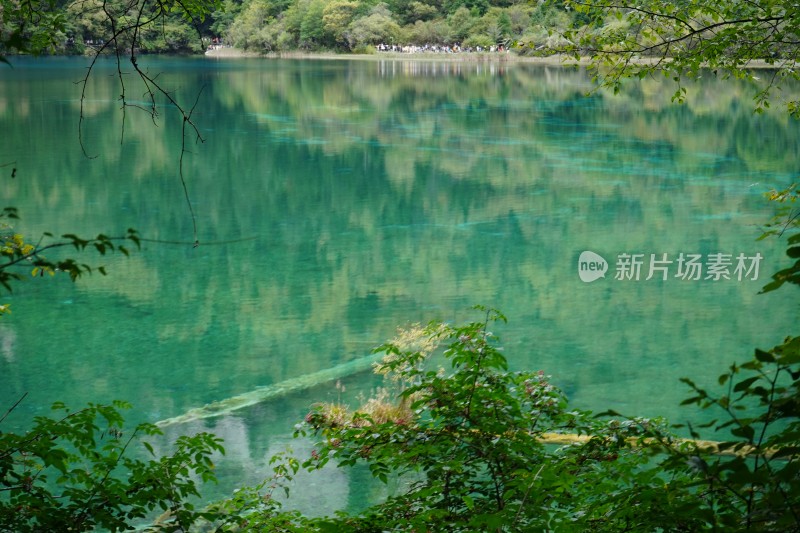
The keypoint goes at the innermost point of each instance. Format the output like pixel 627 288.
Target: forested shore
pixel 224 28
pixel 338 26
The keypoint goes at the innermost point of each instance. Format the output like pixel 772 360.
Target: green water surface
pixel 337 200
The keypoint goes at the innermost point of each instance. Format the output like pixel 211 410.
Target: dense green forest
pixel 359 25
pixel 724 37
pixel 333 25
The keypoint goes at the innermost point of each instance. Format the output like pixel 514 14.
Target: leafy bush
pixel 472 442
pixel 478 40
pixel 366 49
pixel 75 473
pixel 480 448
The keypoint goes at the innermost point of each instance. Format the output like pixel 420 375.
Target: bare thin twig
pixel 125 38
pixel 10 409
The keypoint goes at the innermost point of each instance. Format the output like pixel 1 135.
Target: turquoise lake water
pixel 337 200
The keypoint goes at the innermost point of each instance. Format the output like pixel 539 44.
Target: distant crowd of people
pixel 437 48
pixel 217 43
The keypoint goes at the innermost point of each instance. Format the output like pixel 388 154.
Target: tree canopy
pixel 113 27
pixel 686 40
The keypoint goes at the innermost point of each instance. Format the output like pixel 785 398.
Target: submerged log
pixel 687 445
pixel 269 392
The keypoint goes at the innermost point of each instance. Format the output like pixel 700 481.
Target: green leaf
pixel 771 286
pixel 149 447
pixel 746 432
pixel 745 383
pixel 468 501
pixel 764 357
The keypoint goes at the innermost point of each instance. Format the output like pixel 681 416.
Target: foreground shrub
pixel 481 448
pixel 75 473
pixel 471 442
